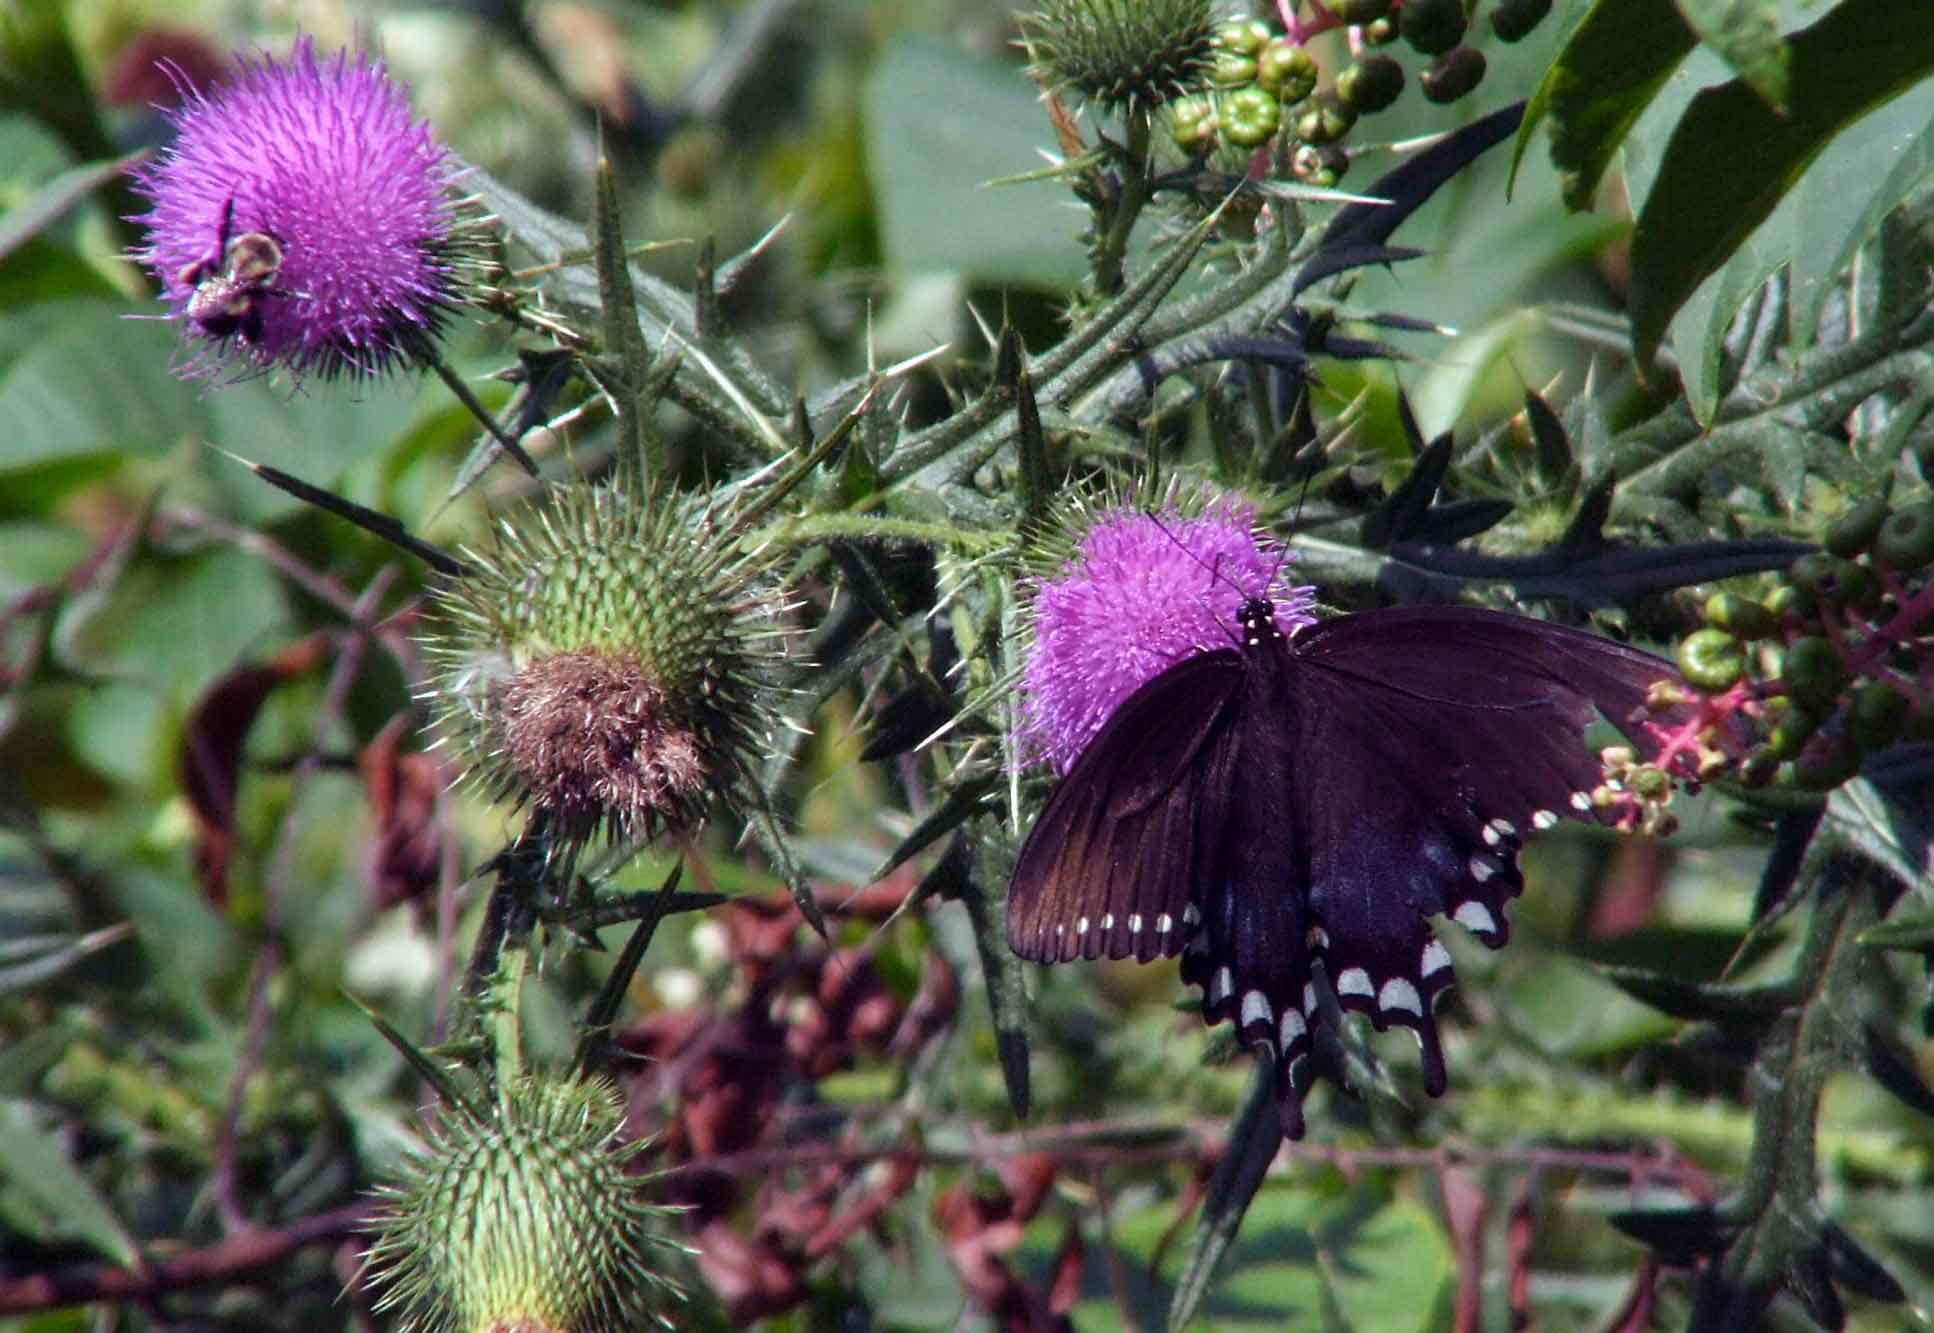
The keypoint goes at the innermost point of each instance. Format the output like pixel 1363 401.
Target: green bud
pixel 1711 660
pixel 1513 20
pixel 528 1215
pixel 1791 603
pixel 1231 70
pixel 1906 540
pixel 1192 123
pixel 1124 53
pixel 1286 70
pixel 1649 782
pixel 1813 673
pixel 1741 617
pixel 1825 763
pixel 1834 581
pixel 1371 84
pixel 1248 116
pixel 1793 730
pixel 1432 26
pixel 1759 766
pixel 1876 715
pixel 1320 164
pixel 1243 36
pixel 1324 120
pixel 1381 33
pixel 1854 531
pixel 1453 74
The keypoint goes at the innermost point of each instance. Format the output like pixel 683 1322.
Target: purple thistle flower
pixel 1142 592
pixel 302 217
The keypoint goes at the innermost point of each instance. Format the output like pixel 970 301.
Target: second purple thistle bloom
pixel 304 218
pixel 1141 592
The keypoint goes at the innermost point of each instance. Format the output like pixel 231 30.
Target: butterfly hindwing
pixel 1464 733
pixel 1108 867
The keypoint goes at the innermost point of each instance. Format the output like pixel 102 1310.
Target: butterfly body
pixel 1283 805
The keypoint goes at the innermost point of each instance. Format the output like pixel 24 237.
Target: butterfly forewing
pixel 1108 867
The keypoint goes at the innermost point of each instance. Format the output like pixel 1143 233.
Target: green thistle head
pixel 1124 54
pixel 528 1221
pixel 611 658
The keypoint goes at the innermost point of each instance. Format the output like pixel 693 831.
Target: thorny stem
pixel 1127 206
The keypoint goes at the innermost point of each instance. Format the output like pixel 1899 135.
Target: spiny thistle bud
pixel 610 659
pixel 526 1219
pixel 1124 54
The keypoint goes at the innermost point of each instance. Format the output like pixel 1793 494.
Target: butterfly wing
pixel 1108 868
pixel 1432 739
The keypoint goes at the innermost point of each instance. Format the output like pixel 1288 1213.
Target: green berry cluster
pixel 1850 635
pixel 1264 83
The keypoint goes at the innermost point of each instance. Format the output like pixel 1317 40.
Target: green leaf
pixel 1612 66
pixel 1841 200
pixel 1254 1136
pixel 59 1200
pixel 939 125
pixel 1699 329
pixel 1746 33
pixel 52 201
pixel 1731 158
pixel 1895 836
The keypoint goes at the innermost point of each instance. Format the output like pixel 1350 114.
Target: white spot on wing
pixel 1134 923
pixel 1436 958
pixel 1309 997
pixel 1581 801
pixel 1293 1027
pixel 1400 994
pixel 1543 819
pixel 1319 938
pixel 1108 921
pixel 1474 915
pixel 1482 866
pixel 1491 835
pixel 1255 1008
pixel 1221 985
pixel 1081 926
pixel 1504 828
pixel 1163 923
pixel 1354 981
pixel 1190 917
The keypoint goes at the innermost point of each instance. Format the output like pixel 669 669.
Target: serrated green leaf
pixel 1841 199
pixel 1746 34
pixel 1731 158
pixel 1886 832
pixel 1699 329
pixel 1612 66
pixel 65 1202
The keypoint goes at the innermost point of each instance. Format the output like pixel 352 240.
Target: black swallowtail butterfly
pixel 1280 803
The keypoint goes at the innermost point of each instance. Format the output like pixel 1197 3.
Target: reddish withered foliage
pixel 402 787
pixel 719 1084
pixel 211 753
pixel 981 1225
